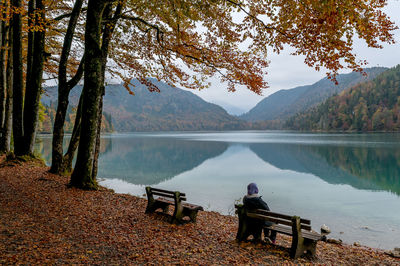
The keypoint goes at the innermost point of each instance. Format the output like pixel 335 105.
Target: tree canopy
pixel 189 41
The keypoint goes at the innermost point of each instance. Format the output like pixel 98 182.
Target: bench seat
pixel 166 198
pixel 304 240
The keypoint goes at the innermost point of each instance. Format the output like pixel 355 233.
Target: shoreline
pixel 44 222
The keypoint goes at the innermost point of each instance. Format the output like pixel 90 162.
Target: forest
pixel 368 106
pixel 47 115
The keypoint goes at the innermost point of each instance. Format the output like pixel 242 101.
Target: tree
pixel 61 163
pixel 361 115
pixel 96 50
pixel 186 42
pixel 18 93
pixel 35 62
pixel 3 68
pixel 25 99
pixel 5 78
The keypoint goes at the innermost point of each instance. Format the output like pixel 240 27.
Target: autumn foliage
pixel 234 38
pixel 368 106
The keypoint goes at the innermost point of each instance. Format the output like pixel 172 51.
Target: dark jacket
pixel 252 203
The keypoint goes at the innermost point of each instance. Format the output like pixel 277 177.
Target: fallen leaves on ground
pixel 42 221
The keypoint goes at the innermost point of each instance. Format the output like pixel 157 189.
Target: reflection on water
pixel 148 161
pixel 349 181
pixel 360 167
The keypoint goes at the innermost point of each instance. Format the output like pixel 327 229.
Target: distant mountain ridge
pixel 172 109
pixel 286 103
pixel 369 106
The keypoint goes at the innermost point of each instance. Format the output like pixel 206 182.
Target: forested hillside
pixel 369 106
pixel 172 109
pixel 286 103
pixel 47 115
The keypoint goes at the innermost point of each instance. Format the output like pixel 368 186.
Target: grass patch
pixel 34 159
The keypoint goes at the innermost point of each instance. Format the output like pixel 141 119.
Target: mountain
pixel 285 103
pixel 230 108
pixel 370 106
pixel 172 109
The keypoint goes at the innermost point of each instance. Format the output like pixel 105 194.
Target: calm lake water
pixel 350 182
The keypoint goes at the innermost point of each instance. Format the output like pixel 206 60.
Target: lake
pixel 350 182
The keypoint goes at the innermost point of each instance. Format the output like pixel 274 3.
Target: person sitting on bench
pixel 253 201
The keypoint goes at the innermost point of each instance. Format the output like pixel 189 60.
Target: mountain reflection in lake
pixel 149 161
pixel 351 182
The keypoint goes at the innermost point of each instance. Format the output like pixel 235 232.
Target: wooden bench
pixel 165 198
pixel 304 240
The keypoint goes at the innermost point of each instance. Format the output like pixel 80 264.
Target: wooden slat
pixel 162 194
pixel 269 218
pixel 169 195
pixel 281 229
pixel 311 235
pixel 192 206
pixel 165 201
pixel 281 216
pixel 165 191
pixel 276 220
pixel 288 231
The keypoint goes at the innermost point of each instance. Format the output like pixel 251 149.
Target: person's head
pixel 252 189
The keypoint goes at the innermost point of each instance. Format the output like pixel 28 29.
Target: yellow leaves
pixel 134 256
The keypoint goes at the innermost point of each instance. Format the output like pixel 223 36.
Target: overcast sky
pixel 286 71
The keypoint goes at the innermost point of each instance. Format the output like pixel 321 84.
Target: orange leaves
pixel 108 228
pixel 206 37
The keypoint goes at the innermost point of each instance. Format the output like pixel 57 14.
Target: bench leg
pixel 305 246
pixel 176 219
pixel 247 226
pixel 300 244
pixel 242 229
pixel 151 207
pixel 297 248
pixel 311 247
pixel 151 203
pixel 192 215
pixel 178 212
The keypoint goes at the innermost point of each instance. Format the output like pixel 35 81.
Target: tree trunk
pixel 18 131
pixel 34 85
pixel 3 69
pixel 97 148
pixel 58 131
pixel 64 89
pixel 82 176
pixel 73 143
pixel 106 39
pixel 29 57
pixel 5 140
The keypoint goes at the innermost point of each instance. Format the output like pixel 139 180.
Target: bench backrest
pixel 277 218
pixel 166 193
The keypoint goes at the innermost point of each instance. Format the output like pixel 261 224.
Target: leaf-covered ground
pixel 42 221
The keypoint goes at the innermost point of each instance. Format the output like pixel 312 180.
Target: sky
pixel 287 71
